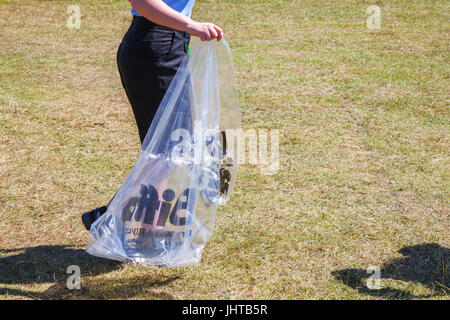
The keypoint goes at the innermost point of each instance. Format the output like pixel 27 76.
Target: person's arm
pixel 159 12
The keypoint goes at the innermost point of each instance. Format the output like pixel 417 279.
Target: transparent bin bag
pixel 163 214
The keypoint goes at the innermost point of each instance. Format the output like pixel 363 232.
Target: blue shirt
pixel 183 6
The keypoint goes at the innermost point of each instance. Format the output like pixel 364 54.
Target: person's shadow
pixel 426 264
pixel 49 265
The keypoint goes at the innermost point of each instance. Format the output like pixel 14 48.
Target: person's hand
pixel 206 31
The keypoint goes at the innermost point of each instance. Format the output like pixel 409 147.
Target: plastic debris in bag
pixel 163 214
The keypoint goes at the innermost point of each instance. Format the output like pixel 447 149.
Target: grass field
pixel 364 152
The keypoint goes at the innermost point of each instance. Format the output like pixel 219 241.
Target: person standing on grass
pixel 149 56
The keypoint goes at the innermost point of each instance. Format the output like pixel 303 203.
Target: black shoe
pixel 88 218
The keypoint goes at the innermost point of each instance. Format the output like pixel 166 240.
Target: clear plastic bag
pixel 163 214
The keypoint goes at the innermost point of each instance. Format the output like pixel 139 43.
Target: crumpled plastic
pixel 163 214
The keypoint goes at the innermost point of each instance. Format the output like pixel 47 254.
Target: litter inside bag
pixel 163 214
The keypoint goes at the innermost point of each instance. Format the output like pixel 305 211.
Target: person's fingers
pixel 219 33
pixel 208 31
pixel 213 33
pixel 201 35
pixel 205 33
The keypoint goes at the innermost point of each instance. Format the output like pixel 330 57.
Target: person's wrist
pixel 191 26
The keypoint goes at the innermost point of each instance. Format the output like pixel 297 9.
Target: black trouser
pixel 148 58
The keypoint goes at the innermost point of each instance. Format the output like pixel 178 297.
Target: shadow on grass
pixel 426 264
pixel 48 264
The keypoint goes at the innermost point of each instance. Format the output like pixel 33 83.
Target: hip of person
pixel 154 42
